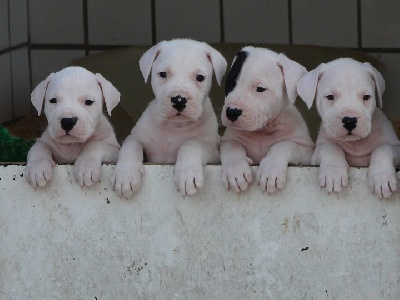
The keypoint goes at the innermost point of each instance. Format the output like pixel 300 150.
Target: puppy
pixel 353 132
pixel 262 124
pixel 77 130
pixel 179 125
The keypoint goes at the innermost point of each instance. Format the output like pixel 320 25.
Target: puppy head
pixel 345 92
pixel 181 76
pixel 258 86
pixel 73 100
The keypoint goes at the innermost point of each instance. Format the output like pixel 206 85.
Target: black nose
pixel 233 113
pixel 349 123
pixel 68 123
pixel 179 102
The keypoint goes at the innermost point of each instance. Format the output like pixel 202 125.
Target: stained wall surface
pixel 65 242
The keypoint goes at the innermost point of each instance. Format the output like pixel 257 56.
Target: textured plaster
pixel 66 242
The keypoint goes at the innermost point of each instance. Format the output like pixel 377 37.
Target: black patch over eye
pixel 330 97
pixel 260 89
pixel 88 102
pixel 53 100
pixel 366 97
pixel 200 78
pixel 233 75
pixel 163 74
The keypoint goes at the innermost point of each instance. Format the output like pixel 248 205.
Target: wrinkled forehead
pixel 183 57
pixel 73 84
pixel 253 66
pixel 259 64
pixel 353 78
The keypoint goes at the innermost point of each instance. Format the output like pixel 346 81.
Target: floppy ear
pixel 110 94
pixel 38 94
pixel 218 62
pixel 307 85
pixel 379 81
pixel 292 72
pixel 147 59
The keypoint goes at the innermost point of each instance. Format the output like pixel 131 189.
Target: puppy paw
pixel 188 178
pixel 126 180
pixel 87 171
pixel 39 172
pixel 333 177
pixel 237 176
pixel 271 176
pixel 383 181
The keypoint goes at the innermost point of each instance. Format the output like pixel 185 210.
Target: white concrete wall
pixel 71 243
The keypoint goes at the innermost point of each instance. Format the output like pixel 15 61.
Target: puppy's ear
pixel 292 72
pixel 147 59
pixel 110 94
pixel 307 85
pixel 379 81
pixel 38 94
pixel 218 62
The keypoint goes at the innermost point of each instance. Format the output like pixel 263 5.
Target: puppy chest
pixel 164 149
pixel 257 145
pixel 67 153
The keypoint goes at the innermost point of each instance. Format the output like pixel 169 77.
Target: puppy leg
pixel 271 174
pixel 381 172
pixel 88 164
pixel 188 171
pixel 127 176
pixel 236 171
pixel 39 168
pixel 332 173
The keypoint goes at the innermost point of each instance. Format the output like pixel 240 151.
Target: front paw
pixel 383 181
pixel 39 172
pixel 87 171
pixel 126 179
pixel 237 176
pixel 333 177
pixel 271 176
pixel 188 178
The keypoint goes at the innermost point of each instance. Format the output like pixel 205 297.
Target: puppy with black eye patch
pixel 179 126
pixel 262 124
pixel 354 132
pixel 77 131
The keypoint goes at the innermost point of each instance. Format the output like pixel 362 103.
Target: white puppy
pixel 263 126
pixel 77 130
pixel 353 131
pixel 180 124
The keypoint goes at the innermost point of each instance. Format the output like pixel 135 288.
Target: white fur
pixel 270 130
pixel 189 139
pixel 90 142
pixel 372 143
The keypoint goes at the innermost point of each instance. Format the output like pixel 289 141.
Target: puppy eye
pixel 163 74
pixel 330 97
pixel 200 78
pixel 366 97
pixel 89 102
pixel 260 89
pixel 53 100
